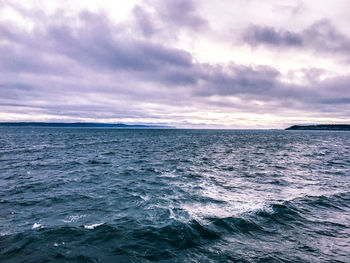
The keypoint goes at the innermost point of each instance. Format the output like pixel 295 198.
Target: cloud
pixel 143 21
pixel 321 36
pixel 289 7
pixel 256 35
pixel 89 66
pixel 166 19
pixel 181 13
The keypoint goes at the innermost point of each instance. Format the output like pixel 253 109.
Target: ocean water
pixel 147 195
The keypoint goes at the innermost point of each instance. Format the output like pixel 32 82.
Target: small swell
pixel 36 225
pixel 109 153
pixel 236 225
pixel 338 201
pixel 96 162
pixel 93 226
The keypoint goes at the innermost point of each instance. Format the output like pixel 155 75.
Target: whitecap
pixel 73 218
pixel 57 244
pixel 4 233
pixel 171 214
pixel 36 225
pixel 92 226
pixel 145 197
pixel 253 207
pixel 233 209
pixel 168 174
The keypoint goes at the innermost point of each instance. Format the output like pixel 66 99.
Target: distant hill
pixel 327 127
pixel 76 125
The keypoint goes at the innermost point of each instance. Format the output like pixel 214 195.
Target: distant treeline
pixel 75 124
pixel 332 127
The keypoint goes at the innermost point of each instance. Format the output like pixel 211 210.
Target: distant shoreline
pixel 78 125
pixel 322 127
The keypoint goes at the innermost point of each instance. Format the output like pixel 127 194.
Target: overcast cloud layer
pixel 177 62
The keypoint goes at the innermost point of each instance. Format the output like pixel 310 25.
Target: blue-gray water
pixel 114 195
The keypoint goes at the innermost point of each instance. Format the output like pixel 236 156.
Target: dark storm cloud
pixel 321 36
pixel 96 68
pixel 256 35
pixel 115 52
pixel 95 44
pixel 100 46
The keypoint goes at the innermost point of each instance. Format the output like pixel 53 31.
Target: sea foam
pixel 92 226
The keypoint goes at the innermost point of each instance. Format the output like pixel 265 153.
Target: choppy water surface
pixel 110 195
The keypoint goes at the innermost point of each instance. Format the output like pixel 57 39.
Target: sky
pixel 236 64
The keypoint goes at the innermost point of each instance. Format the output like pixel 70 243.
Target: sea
pixel 174 195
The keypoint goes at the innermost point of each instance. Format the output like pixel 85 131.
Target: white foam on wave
pixel 218 200
pixel 92 226
pixel 200 211
pixel 73 218
pixel 56 244
pixel 253 207
pixel 145 197
pixel 168 174
pixel 36 225
pixel 4 233
pixel 172 214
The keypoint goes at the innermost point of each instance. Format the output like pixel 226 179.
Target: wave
pixel 96 162
pixel 37 225
pixel 93 226
pixel 337 200
pixel 47 201
pixel 131 240
pixel 73 218
pixel 224 209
